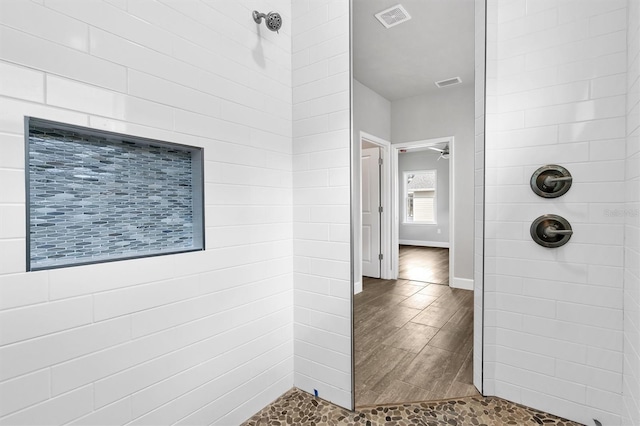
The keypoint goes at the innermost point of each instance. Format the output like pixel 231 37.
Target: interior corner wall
pixel 372 115
pixel 631 367
pixel 195 338
pixel 321 199
pixel 478 249
pixel 447 112
pixel 556 94
pixel 422 234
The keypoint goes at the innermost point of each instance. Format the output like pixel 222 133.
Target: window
pixel 420 196
pixel 95 196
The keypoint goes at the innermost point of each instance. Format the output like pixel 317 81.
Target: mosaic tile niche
pixel 96 196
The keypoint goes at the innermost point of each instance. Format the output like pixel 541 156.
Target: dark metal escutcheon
pixel 551 181
pixel 550 230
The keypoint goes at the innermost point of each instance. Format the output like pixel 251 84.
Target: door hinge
pixel 380 256
pixel 380 209
pixel 380 161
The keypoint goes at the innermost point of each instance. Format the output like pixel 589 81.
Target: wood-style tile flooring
pixel 413 339
pixel 427 264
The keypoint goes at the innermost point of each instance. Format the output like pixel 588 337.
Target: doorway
pixel 373 206
pixel 433 195
pixel 413 333
pixel 402 326
pixel 381 187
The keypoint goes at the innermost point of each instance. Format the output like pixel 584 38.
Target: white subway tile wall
pixel 192 338
pixel 266 306
pixel 554 317
pixel 631 214
pixel 321 198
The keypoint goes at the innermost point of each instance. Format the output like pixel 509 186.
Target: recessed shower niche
pixel 96 196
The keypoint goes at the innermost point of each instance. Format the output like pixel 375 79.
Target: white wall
pixel 419 233
pixel 449 112
pixel 556 94
pixel 631 369
pixel 372 115
pixel 321 147
pixel 192 338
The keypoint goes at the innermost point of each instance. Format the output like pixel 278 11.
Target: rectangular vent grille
pixel 448 82
pixel 393 16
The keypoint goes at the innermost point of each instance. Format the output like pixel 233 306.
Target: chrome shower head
pixel 272 20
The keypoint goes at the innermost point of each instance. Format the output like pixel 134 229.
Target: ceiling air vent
pixel 448 82
pixel 393 16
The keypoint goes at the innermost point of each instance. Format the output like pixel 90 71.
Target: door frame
pixel 480 82
pixel 389 191
pixel 395 234
pixel 385 202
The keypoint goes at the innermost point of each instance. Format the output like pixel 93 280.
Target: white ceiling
pixel 437 43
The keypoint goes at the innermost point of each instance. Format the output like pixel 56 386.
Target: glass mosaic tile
pixel 95 196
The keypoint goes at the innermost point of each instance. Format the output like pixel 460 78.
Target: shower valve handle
pixel 550 231
pixel 548 181
pixel 551 181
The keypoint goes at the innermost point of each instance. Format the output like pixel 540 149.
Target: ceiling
pixel 437 43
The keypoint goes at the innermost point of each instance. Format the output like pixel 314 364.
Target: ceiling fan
pixel 444 152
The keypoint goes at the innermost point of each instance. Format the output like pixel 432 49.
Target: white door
pixel 370 212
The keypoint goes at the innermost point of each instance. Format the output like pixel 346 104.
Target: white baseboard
pixel 357 287
pixel 440 244
pixel 462 283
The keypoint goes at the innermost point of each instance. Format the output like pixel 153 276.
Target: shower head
pixel 272 20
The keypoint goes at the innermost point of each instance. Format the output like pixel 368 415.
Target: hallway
pixel 413 340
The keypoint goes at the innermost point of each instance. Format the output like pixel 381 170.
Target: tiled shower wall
pixel 321 199
pixel 193 338
pixel 631 378
pixel 556 94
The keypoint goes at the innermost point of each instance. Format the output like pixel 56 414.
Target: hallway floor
pixel 426 264
pixel 296 407
pixel 413 339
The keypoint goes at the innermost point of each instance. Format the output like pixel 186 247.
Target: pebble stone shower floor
pixel 296 407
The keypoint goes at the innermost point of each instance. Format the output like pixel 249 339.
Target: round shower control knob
pixel 550 230
pixel 551 181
